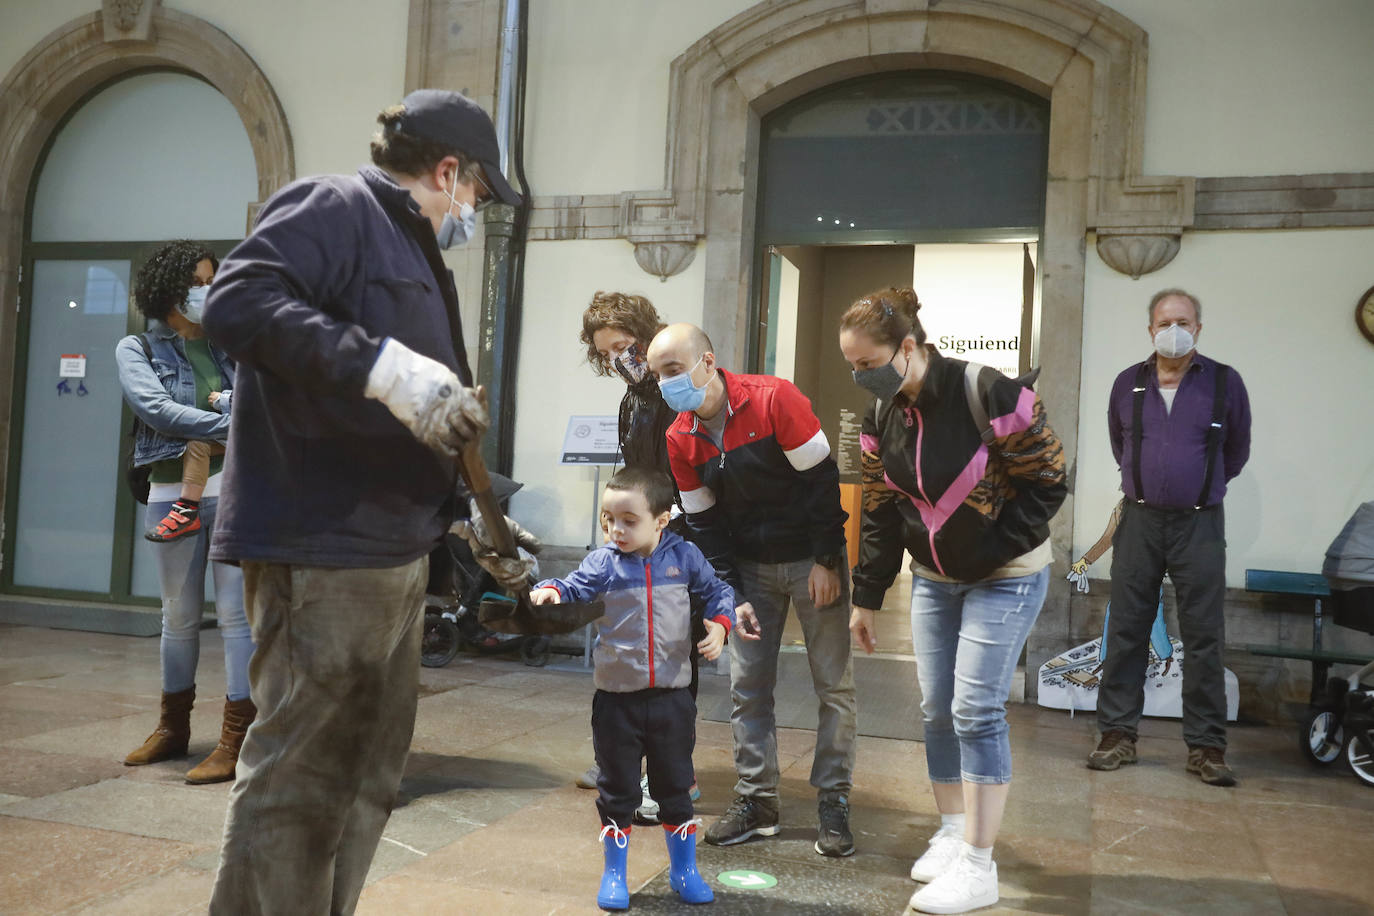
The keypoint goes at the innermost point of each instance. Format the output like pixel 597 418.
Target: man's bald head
pixel 677 348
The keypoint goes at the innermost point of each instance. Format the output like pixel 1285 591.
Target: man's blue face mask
pixel 680 394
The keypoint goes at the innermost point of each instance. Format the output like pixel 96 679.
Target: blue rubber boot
pixel 683 876
pixel 614 894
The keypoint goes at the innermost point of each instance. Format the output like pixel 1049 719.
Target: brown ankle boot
pixel 173 730
pixel 219 766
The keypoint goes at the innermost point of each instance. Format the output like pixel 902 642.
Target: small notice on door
pixel 71 365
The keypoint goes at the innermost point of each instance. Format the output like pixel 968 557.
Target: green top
pixel 207 380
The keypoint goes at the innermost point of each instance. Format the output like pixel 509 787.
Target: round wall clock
pixel 1364 314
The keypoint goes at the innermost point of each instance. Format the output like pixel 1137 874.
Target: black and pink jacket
pixel 931 486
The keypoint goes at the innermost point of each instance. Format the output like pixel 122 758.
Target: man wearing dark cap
pixel 353 399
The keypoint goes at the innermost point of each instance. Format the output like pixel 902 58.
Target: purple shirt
pixel 1174 442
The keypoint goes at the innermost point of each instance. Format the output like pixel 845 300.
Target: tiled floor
pixel 493 824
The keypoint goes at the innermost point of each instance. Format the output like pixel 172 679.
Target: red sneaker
pixel 182 519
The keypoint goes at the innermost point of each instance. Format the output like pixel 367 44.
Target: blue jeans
pixel 967 638
pixel 770 587
pixel 181 571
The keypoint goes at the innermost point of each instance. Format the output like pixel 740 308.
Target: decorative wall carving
pixel 128 20
pixel 664 259
pixel 1136 253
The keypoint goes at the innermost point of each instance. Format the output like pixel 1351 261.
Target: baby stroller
pixel 457 587
pixel 1341 724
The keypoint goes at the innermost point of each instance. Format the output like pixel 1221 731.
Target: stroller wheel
pixel 1359 755
pixel 535 651
pixel 1320 736
pixel 440 642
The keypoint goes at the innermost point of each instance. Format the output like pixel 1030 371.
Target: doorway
pixel 927 179
pixel 154 156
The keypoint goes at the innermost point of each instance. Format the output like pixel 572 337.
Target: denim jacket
pixel 163 395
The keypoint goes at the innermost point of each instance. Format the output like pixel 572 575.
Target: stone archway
pixel 1086 59
pixel 76 60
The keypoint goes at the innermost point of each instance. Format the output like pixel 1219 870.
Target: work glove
pixel 1078 574
pixel 427 398
pixel 513 573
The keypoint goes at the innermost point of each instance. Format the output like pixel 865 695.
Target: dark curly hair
pixel 165 278
pixel 407 154
pixel 632 314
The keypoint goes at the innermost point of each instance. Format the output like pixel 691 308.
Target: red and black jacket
pixel 772 494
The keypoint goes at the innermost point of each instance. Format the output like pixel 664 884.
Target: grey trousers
pixel 770 587
pixel 335 679
pixel 1190 545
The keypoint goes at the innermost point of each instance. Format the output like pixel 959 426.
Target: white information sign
pixel 591 440
pixel 71 365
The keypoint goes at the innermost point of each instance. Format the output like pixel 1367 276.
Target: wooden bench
pixel 1275 582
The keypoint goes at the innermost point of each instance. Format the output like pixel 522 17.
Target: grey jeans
pixel 770 587
pixel 335 678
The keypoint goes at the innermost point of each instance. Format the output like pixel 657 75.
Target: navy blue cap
pixel 456 121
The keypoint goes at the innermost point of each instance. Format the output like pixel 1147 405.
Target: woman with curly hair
pixel 178 385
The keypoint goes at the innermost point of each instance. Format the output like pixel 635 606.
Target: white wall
pixel 555 381
pixel 597 103
pixel 1279 307
pixel 1257 87
pixel 333 63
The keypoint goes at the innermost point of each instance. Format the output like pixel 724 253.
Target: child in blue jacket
pixel 643 710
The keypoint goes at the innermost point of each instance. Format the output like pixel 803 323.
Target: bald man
pixel 761 493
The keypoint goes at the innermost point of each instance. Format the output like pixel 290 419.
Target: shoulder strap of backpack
pixel 976 407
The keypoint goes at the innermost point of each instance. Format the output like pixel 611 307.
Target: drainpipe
pixel 506 228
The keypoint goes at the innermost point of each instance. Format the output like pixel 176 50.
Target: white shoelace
pixel 621 838
pixel 685 830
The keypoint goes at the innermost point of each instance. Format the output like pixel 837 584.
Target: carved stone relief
pixel 128 20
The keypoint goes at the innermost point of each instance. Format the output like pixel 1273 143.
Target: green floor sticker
pixel 747 880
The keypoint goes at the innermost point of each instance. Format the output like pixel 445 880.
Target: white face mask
pixel 193 309
pixel 459 230
pixel 1174 341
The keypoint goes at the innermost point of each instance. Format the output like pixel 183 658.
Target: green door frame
pixel 122 560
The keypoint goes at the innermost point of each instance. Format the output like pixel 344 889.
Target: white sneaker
pixel 964 886
pixel 647 812
pixel 944 848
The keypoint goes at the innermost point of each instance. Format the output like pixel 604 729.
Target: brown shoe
pixel 1209 763
pixel 1114 750
pixel 173 731
pixel 219 766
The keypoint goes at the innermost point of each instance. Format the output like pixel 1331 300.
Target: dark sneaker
pixel 182 519
pixel 745 817
pixel 833 837
pixel 1209 763
pixel 1114 750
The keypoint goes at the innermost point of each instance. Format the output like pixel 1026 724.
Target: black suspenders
pixel 1213 432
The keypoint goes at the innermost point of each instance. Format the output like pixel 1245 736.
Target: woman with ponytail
pixel 961 468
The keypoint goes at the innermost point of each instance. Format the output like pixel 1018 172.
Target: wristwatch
pixel 831 561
